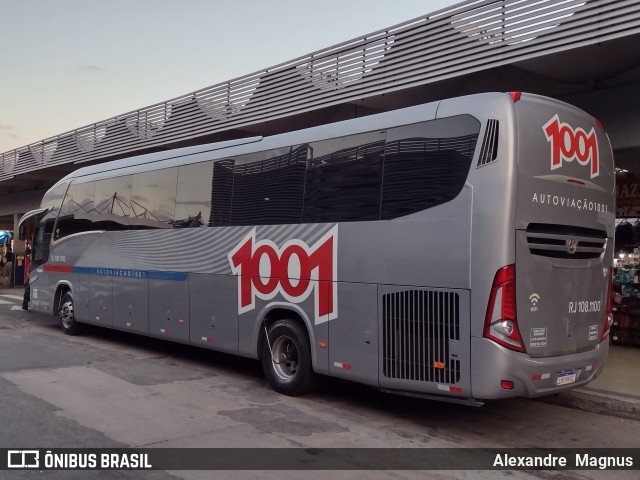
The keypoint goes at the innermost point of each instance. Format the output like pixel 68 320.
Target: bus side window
pixel 77 210
pixel 42 242
pixel 426 164
pixel 193 195
pixel 344 179
pixel 268 187
pixel 221 193
pixel 153 198
pixel 112 203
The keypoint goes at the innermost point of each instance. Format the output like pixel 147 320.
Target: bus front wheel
pixel 67 319
pixel 286 359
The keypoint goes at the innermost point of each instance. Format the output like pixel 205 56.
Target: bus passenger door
pixel 42 294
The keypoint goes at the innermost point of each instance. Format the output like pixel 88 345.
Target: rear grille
pixel 489 150
pixel 417 328
pixel 554 241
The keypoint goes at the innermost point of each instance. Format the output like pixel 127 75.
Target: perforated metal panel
pixel 462 39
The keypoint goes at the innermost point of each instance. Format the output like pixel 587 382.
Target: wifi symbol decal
pixel 534 298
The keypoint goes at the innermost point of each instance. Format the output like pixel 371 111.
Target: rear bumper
pixel 492 363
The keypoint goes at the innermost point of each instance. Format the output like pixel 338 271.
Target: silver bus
pixel 458 250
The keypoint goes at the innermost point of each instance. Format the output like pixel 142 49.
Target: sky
pixel 65 64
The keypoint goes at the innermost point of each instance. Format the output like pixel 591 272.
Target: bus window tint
pixel 77 210
pixel 52 201
pixel 153 198
pixel 426 164
pixel 112 203
pixel 344 179
pixel 53 198
pixel 268 187
pixel 193 196
pixel 221 193
pixel 42 241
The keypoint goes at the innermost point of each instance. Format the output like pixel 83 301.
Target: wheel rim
pixel 66 314
pixel 285 357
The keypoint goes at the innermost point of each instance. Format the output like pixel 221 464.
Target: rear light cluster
pixel 501 323
pixel 608 315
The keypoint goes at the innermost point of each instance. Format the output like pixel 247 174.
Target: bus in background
pixel 458 250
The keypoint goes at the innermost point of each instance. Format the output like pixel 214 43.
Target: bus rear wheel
pixel 67 319
pixel 286 359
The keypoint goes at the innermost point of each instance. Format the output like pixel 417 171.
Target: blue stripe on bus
pixel 129 273
pixel 174 276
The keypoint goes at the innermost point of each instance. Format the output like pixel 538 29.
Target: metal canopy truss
pixel 466 38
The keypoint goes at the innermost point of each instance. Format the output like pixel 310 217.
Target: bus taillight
pixel 501 324
pixel 608 316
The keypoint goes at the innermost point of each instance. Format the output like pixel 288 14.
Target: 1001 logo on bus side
pixel 293 271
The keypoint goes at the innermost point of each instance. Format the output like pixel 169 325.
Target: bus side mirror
pixel 22 232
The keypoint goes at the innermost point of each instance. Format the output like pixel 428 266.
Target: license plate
pixel 565 378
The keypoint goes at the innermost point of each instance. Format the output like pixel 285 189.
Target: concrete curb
pixel 598 401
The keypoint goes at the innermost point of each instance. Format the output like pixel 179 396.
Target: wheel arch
pixel 281 311
pixel 62 287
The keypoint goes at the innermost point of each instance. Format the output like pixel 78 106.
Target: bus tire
pixel 67 318
pixel 287 365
